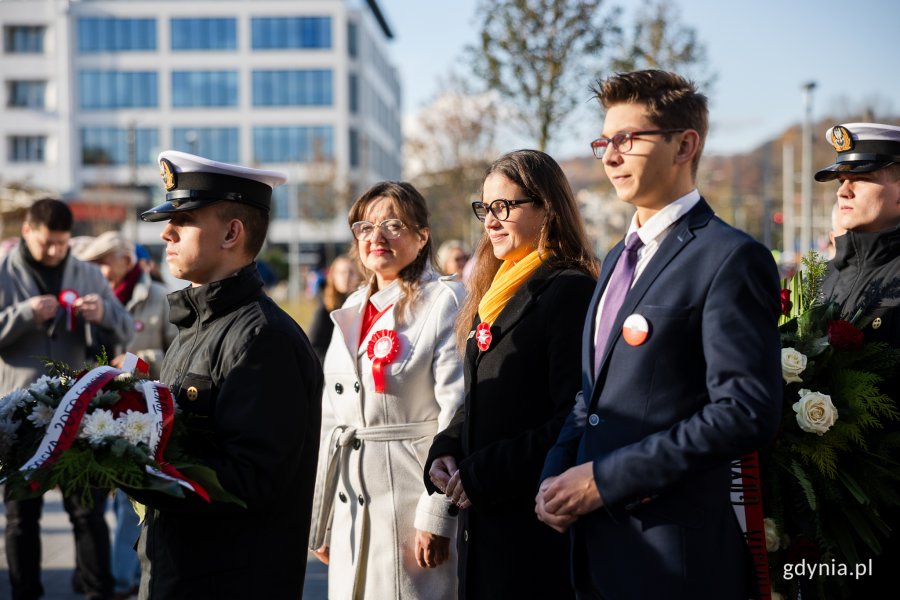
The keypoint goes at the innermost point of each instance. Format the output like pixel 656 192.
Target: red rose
pixel 844 336
pixel 128 400
pixel 786 304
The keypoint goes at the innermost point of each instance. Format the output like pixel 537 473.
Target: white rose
pixel 773 543
pixel 815 412
pixel 792 364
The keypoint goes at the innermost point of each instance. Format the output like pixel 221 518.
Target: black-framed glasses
pixel 622 141
pixel 499 208
pixel 390 229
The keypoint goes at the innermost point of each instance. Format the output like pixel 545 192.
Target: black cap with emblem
pixel 193 182
pixel 861 148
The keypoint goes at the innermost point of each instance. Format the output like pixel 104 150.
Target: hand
pixel 558 522
pixel 117 361
pixel 456 493
pixel 431 549
pixel 572 493
pixel 323 554
pixel 442 469
pixel 90 307
pixel 44 307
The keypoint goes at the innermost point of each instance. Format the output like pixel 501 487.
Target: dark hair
pixel 50 212
pixel 255 220
pixel 672 102
pixel 562 232
pixel 410 207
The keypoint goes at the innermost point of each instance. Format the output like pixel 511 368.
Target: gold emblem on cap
pixel 192 393
pixel 841 138
pixel 168 174
pixel 876 323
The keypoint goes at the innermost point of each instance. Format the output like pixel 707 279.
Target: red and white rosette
pixel 483 336
pixel 383 348
pixel 67 299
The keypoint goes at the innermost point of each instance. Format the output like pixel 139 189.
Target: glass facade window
pixel 354 147
pixel 114 145
pixel 204 88
pixel 117 89
pixel 293 144
pixel 278 33
pixel 292 88
pixel 352 40
pixel 353 93
pixel 204 34
pixel 26 94
pixel 26 148
pixel 24 39
pixel 109 34
pixel 217 143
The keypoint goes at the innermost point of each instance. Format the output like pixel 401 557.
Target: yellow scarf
pixel 507 280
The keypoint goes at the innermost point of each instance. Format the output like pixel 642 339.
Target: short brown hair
pixel 255 220
pixel 671 101
pixel 50 212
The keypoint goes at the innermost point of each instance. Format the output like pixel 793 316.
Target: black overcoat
pixel 518 394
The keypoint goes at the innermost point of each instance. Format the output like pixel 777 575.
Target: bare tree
pixel 540 55
pixel 659 40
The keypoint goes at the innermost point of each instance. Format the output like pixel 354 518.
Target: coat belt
pixel 342 438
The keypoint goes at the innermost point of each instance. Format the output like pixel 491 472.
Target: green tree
pixel 659 40
pixel 540 56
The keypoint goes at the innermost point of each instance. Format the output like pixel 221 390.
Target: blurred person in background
pixel 519 329
pixel 452 257
pixel 48 300
pixel 393 379
pixel 342 278
pixel 146 301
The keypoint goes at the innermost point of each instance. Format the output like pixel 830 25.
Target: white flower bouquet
pixel 98 428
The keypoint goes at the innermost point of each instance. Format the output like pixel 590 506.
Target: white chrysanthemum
pixel 41 415
pixel 42 385
pixel 98 425
pixel 124 377
pixel 7 435
pixel 13 400
pixel 136 427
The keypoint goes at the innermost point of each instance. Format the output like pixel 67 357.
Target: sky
pixel 762 52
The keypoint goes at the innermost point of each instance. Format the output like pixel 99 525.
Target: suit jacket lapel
pixel 590 319
pixel 681 234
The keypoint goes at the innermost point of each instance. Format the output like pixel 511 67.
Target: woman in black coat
pixel 520 330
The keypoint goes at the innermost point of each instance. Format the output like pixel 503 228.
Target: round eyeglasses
pixel 499 208
pixel 622 141
pixel 390 229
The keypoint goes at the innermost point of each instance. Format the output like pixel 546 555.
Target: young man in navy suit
pixel 680 369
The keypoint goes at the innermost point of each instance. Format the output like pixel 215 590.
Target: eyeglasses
pixel 622 141
pixel 390 229
pixel 499 208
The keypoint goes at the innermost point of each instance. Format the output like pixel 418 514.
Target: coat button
pixel 356 386
pixel 594 420
pixel 342 496
pixel 192 393
pixel 360 498
pixel 465 535
pixel 339 388
pixel 356 444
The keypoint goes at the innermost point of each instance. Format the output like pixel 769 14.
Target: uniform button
pixel 360 498
pixel 192 393
pixel 342 496
pixel 356 386
pixel 356 444
pixel 594 420
pixel 465 535
pixel 339 388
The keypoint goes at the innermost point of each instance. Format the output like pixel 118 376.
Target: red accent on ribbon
pixel 384 346
pixel 67 300
pixel 167 408
pixel 751 490
pixel 483 336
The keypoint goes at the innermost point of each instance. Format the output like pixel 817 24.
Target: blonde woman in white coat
pixel 393 379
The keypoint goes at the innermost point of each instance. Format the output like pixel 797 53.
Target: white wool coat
pixel 370 495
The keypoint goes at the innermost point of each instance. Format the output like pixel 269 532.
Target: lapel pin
pixel 635 330
pixel 483 336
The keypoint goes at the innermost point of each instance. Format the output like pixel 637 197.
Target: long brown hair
pixel 333 298
pixel 410 207
pixel 562 233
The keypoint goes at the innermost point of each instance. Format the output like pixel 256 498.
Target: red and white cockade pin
pixel 383 348
pixel 67 300
pixel 635 330
pixel 483 336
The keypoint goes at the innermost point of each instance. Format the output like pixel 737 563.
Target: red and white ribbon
pixel 746 498
pixel 133 363
pixel 67 300
pixel 383 348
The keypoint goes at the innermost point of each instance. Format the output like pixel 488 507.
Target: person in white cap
pixel 864 274
pixel 245 370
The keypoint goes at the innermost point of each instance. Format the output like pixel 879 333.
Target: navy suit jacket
pixel 664 419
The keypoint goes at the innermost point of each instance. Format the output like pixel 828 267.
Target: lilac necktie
pixel 619 284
